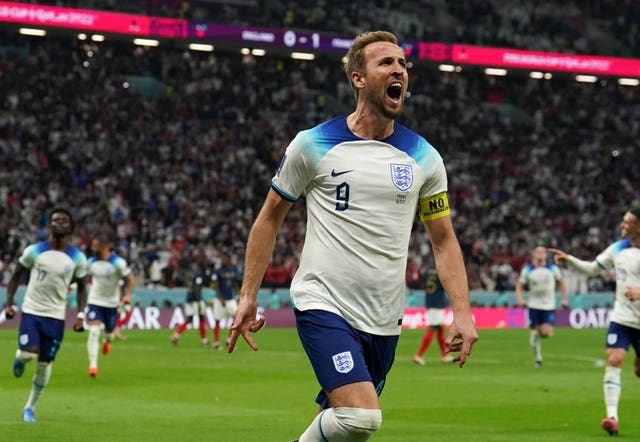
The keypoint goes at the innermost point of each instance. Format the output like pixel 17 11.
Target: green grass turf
pixel 148 390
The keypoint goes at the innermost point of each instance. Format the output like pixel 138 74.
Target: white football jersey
pixel 52 271
pixel 626 260
pixel 361 197
pixel 542 285
pixel 105 279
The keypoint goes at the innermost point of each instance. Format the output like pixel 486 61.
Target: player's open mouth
pixel 394 91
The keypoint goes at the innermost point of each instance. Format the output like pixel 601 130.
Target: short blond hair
pixel 354 60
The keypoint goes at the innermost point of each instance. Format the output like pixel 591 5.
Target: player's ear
pixel 358 79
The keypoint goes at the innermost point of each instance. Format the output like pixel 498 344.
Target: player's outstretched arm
pixel 559 257
pixel 462 335
pixel 260 245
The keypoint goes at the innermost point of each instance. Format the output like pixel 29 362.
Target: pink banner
pixel 484 317
pixel 92 20
pixel 147 318
pixel 545 61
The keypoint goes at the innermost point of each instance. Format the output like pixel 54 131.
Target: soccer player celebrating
pixel 363 175
pixel 54 264
pixel 541 278
pixel 624 326
pixel 106 269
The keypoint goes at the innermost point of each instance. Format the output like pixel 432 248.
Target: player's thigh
pixel 342 356
pixel 105 315
pixel 435 317
pixel 202 307
pixel 219 310
pixel 230 307
pixel 356 395
pixel 51 335
pixel 619 338
pixel 191 309
pixel 29 333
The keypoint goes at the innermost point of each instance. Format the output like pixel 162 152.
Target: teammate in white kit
pixel 105 270
pixel 541 278
pixel 363 176
pixel 54 264
pixel 624 326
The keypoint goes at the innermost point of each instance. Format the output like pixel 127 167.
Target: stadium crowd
pixel 183 168
pixel 605 27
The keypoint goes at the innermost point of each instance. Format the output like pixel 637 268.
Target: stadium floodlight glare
pixel 302 56
pixel 33 32
pixel 628 81
pixel 548 76
pixel 200 47
pixel 97 37
pixel 145 42
pixel 495 71
pixel 447 68
pixel 586 78
pixel 82 36
pixel 245 51
pixel 258 52
pixel 537 75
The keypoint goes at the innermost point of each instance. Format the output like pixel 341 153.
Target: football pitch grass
pixel 149 390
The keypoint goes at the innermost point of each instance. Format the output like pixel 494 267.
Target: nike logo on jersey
pixel 335 174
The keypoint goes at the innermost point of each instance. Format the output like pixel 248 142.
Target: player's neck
pixel 368 125
pixel 58 243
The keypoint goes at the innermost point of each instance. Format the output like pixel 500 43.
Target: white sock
pixel 93 343
pixel 108 337
pixel 612 390
pixel 534 343
pixel 40 380
pixel 25 356
pixel 343 424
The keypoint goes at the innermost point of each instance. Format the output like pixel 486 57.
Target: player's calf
pixel 344 423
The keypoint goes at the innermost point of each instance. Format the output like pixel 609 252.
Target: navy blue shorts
pixel 106 315
pixel 42 332
pixel 621 336
pixel 539 317
pixel 342 355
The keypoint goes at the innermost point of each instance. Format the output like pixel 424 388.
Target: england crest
pixel 402 176
pixel 343 362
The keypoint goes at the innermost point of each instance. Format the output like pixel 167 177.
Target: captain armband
pixel 433 207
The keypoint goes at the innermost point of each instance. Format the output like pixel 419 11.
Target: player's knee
pixel 94 332
pixel 359 423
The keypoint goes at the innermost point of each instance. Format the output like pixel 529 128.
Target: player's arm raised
pixel 450 266
pixel 260 245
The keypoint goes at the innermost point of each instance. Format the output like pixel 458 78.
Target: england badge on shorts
pixel 343 362
pixel 402 176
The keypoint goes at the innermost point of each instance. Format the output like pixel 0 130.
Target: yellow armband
pixel 433 207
